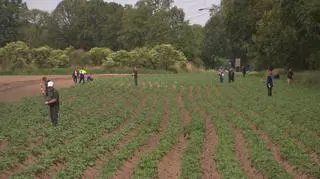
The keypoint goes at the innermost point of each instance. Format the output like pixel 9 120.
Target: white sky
pixel 190 7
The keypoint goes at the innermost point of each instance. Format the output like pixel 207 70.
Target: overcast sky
pixel 190 7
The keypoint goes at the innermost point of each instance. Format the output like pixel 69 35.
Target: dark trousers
pixel 54 114
pixel 75 79
pixel 82 79
pixel 136 80
pixel 270 91
pixel 221 79
pixel 244 74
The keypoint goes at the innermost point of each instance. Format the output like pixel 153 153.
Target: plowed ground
pixel 170 126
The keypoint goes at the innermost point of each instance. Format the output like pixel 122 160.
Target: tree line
pixel 278 33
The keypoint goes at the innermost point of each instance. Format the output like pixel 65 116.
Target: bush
pixel 18 56
pixel 165 56
pixel 119 58
pixel 141 57
pixel 41 57
pixel 15 56
pixel 98 55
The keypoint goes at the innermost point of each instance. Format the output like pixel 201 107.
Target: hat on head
pixel 50 84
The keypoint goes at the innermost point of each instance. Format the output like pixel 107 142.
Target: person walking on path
pixel 269 81
pixel 44 86
pixel 290 76
pixel 53 102
pixel 135 75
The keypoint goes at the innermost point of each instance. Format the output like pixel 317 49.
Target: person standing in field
pixel 135 75
pixel 82 75
pixel 231 75
pixel 244 71
pixel 75 75
pixel 290 76
pixel 53 102
pixel 221 75
pixel 44 86
pixel 269 81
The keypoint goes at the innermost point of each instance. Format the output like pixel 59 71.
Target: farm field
pixel 171 126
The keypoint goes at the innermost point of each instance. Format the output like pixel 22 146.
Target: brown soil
pixel 275 150
pixel 51 171
pixel 243 154
pixel 208 165
pixel 169 166
pixel 93 171
pixel 30 160
pixel 126 171
pixel 13 88
pixel 125 123
pixel 315 157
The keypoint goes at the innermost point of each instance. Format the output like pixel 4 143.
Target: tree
pixel 63 30
pixel 216 43
pixel 10 12
pixel 35 28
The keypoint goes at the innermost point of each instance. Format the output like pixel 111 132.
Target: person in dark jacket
pixel 269 82
pixel 75 75
pixel 53 102
pixel 135 75
pixel 244 71
pixel 231 75
pixel 290 76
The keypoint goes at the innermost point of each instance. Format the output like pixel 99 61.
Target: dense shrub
pixel 19 56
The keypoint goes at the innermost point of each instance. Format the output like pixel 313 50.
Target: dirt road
pixel 13 88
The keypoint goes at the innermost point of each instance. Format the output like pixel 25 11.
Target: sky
pixel 190 7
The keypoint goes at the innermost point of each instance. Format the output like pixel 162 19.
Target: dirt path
pixel 126 171
pixel 13 88
pixel 243 154
pixel 170 165
pixel 208 165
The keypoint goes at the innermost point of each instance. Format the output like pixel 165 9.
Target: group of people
pixel 269 81
pixel 270 77
pixel 80 75
pixel 51 94
pixel 231 74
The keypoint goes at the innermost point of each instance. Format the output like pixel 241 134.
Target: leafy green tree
pixel 35 28
pixel 10 22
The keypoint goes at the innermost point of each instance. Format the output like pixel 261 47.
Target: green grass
pixel 91 114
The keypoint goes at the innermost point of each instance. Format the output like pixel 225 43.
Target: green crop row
pixel 290 151
pixel 152 123
pixel 225 157
pixel 147 167
pixel 191 167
